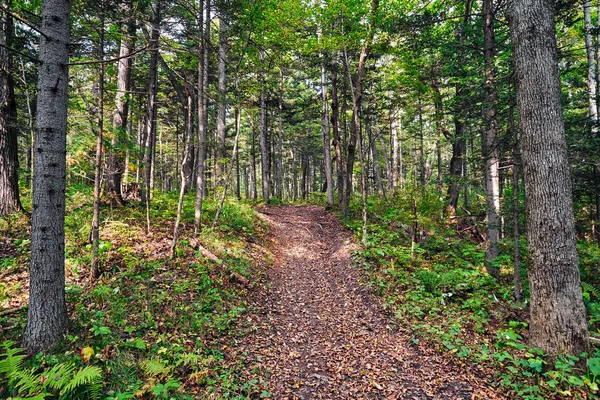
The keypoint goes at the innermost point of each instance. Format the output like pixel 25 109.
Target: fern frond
pixel 40 396
pixel 590 289
pixel 26 382
pixel 88 376
pixel 155 367
pixel 59 375
pixel 11 361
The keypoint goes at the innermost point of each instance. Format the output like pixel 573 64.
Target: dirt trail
pixel 321 334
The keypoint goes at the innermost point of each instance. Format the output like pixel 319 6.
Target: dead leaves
pixel 319 334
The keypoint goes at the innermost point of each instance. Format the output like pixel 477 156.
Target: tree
pixel 9 161
pixel 490 140
pixel 116 160
pixel 47 319
pixel 558 323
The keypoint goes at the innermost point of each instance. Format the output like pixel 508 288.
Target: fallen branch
pixel 11 311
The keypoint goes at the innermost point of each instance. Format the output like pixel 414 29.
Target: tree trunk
pixel 115 167
pixel 490 141
pixel 459 145
pixel 9 161
pixel 356 90
pixel 558 322
pixel 149 132
pixel 591 58
pixel 335 125
pixel 375 153
pixel 278 161
pixel 262 139
pixel 186 171
pixel 95 234
pixel 304 176
pixel 203 54
pixel 227 178
pixel 325 136
pixel 294 175
pixel 254 190
pixel 396 153
pixel 441 130
pixel 515 187
pixel 422 177
pixel 221 128
pixel 47 319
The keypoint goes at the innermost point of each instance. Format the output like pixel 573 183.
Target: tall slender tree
pixel 490 141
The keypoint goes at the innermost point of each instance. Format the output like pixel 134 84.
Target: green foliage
pixel 440 286
pixel 62 381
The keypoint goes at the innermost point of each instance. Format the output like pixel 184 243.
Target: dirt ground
pixel 320 333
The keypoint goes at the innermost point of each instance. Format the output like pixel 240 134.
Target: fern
pixel 59 381
pixel 155 367
pixel 89 377
pixel 59 376
pixel 590 289
pixel 10 361
pixel 26 382
pixel 40 396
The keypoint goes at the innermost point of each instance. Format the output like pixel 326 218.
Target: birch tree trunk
pixel 490 141
pixel 591 58
pixel 47 320
pixel 558 322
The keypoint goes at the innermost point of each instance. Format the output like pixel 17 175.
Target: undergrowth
pixel 150 326
pixel 430 271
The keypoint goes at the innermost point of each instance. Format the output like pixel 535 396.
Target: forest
pixel 296 199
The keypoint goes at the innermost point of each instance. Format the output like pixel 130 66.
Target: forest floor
pixel 320 331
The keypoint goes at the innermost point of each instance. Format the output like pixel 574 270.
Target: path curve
pixel 321 334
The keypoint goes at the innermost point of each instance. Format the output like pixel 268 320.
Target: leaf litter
pixel 318 332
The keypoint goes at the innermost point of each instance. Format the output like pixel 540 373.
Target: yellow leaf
pixel 87 353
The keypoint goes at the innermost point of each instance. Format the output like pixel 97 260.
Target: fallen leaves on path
pixel 320 334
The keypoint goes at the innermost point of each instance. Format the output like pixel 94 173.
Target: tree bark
pixel 47 319
pixel 335 125
pixel 221 121
pixel 95 234
pixel 294 175
pixel 356 89
pixel 325 134
pixel 591 59
pixel 203 54
pixel 278 161
pixel 9 160
pixel 490 141
pixel 149 132
pixel 396 152
pixel 262 139
pixel 459 145
pixel 115 167
pixel 517 291
pixel 558 322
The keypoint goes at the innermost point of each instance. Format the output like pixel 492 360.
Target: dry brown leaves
pixel 320 334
